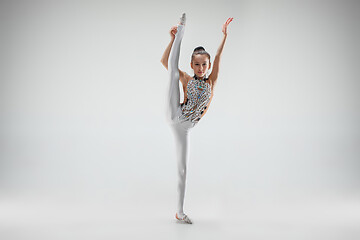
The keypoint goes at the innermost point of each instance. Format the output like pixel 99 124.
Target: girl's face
pixel 200 64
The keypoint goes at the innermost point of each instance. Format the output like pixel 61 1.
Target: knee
pixel 182 172
pixel 174 72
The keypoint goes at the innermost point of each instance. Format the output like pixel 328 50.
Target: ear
pixel 191 65
pixel 209 65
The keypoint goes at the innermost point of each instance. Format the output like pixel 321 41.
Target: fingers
pixel 173 30
pixel 228 21
pixel 224 28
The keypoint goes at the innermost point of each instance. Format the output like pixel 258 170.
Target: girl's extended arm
pixel 165 57
pixel 215 71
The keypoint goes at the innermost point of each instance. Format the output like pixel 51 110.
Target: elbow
pixel 164 64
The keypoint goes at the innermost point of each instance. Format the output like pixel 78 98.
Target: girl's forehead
pixel 200 58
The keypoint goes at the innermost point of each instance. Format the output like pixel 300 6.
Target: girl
pixel 198 93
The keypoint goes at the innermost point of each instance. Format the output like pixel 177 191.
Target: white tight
pixel 179 128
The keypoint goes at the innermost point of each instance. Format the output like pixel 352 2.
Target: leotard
pixel 198 96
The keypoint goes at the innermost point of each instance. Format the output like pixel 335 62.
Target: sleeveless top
pixel 198 96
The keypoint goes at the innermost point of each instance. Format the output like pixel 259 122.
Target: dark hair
pixel 199 50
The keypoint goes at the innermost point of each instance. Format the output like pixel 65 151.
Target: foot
pixel 183 218
pixel 182 19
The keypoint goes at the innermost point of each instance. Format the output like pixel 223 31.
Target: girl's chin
pixel 200 74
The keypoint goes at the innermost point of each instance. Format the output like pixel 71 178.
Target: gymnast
pixel 198 92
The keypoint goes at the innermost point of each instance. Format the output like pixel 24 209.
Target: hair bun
pixel 200 48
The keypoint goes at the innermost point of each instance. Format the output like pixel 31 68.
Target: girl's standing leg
pixel 182 144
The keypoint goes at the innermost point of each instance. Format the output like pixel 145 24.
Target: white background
pixel 86 152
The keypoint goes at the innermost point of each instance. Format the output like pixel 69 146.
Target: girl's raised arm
pixel 215 71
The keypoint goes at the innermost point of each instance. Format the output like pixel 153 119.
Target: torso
pixel 206 91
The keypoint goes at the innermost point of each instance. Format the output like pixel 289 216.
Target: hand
pixel 224 27
pixel 173 31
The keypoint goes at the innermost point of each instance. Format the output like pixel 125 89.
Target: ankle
pixel 180 214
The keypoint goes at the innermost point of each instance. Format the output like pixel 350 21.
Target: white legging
pixel 180 128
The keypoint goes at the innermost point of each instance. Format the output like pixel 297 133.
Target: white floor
pixel 74 216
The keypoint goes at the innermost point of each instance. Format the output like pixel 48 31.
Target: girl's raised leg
pixel 173 98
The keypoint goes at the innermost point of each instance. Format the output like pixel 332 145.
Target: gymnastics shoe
pixel 184 219
pixel 183 19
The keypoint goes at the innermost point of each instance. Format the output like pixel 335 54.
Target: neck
pixel 200 78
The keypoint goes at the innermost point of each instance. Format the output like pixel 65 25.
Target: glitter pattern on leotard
pixel 198 96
